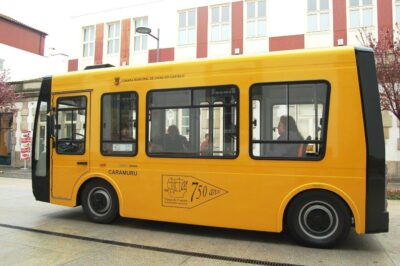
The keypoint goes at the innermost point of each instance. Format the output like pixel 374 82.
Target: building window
pixel 318 18
pixel 288 120
pixel 193 122
pixel 88 41
pixel 140 40
pixel 361 13
pixel 256 19
pixel 387 123
pixel 119 121
pixel 113 36
pixel 187 27
pixel 220 23
pixel 397 7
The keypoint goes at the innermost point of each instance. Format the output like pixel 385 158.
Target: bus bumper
pixel 379 224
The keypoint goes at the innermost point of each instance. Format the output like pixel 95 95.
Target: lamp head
pixel 143 30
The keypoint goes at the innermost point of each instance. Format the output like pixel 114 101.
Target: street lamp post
pixel 145 30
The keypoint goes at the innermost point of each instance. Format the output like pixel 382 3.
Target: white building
pixel 22 54
pixel 24 65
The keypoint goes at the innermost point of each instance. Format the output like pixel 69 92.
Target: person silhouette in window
pixel 125 134
pixel 174 142
pixel 155 144
pixel 288 131
pixel 205 145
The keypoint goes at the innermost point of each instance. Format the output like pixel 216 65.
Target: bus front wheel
pixel 318 219
pixel 100 202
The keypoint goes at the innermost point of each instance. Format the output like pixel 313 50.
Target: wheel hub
pixel 318 220
pixel 99 201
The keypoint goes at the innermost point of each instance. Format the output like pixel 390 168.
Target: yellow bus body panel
pixel 252 194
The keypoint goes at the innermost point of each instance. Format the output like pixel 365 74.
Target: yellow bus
pixel 287 140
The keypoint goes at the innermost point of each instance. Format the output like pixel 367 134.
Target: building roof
pixel 9 19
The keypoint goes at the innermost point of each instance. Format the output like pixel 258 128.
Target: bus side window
pixel 118 124
pixel 291 120
pixel 193 122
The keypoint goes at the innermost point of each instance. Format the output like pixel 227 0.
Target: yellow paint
pixel 255 192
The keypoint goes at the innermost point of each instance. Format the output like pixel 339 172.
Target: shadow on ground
pixel 353 242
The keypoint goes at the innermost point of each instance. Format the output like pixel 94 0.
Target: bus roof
pixel 241 63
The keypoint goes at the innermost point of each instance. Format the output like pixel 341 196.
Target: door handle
pixel 81 163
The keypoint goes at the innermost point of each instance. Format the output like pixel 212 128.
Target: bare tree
pixel 387 60
pixel 8 96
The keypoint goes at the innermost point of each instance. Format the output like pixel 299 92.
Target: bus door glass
pixel 72 136
pixel 41 141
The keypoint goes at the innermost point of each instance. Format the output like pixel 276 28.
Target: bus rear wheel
pixel 100 202
pixel 318 219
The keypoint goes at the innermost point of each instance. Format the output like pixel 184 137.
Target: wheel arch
pixel 79 186
pixel 359 227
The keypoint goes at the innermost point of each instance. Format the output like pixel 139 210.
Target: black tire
pixel 318 219
pixel 100 202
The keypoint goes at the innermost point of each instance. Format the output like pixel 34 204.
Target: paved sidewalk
pixel 13 172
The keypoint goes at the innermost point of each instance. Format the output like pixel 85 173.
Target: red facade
pixel 237 27
pixel 98 50
pixel 166 54
pixel 125 41
pixel 18 35
pixel 72 65
pixel 290 42
pixel 385 16
pixel 339 22
pixel 202 32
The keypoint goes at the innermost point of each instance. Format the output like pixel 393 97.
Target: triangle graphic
pixel 187 191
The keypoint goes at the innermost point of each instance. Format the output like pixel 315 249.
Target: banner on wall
pixel 26 139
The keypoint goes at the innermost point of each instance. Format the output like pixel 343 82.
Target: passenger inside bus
pixel 288 131
pixel 174 142
pixel 125 135
pixel 155 144
pixel 204 146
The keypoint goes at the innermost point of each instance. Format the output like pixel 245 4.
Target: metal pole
pixel 24 168
pixel 158 45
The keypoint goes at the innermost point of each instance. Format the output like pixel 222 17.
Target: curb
pixel 394 179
